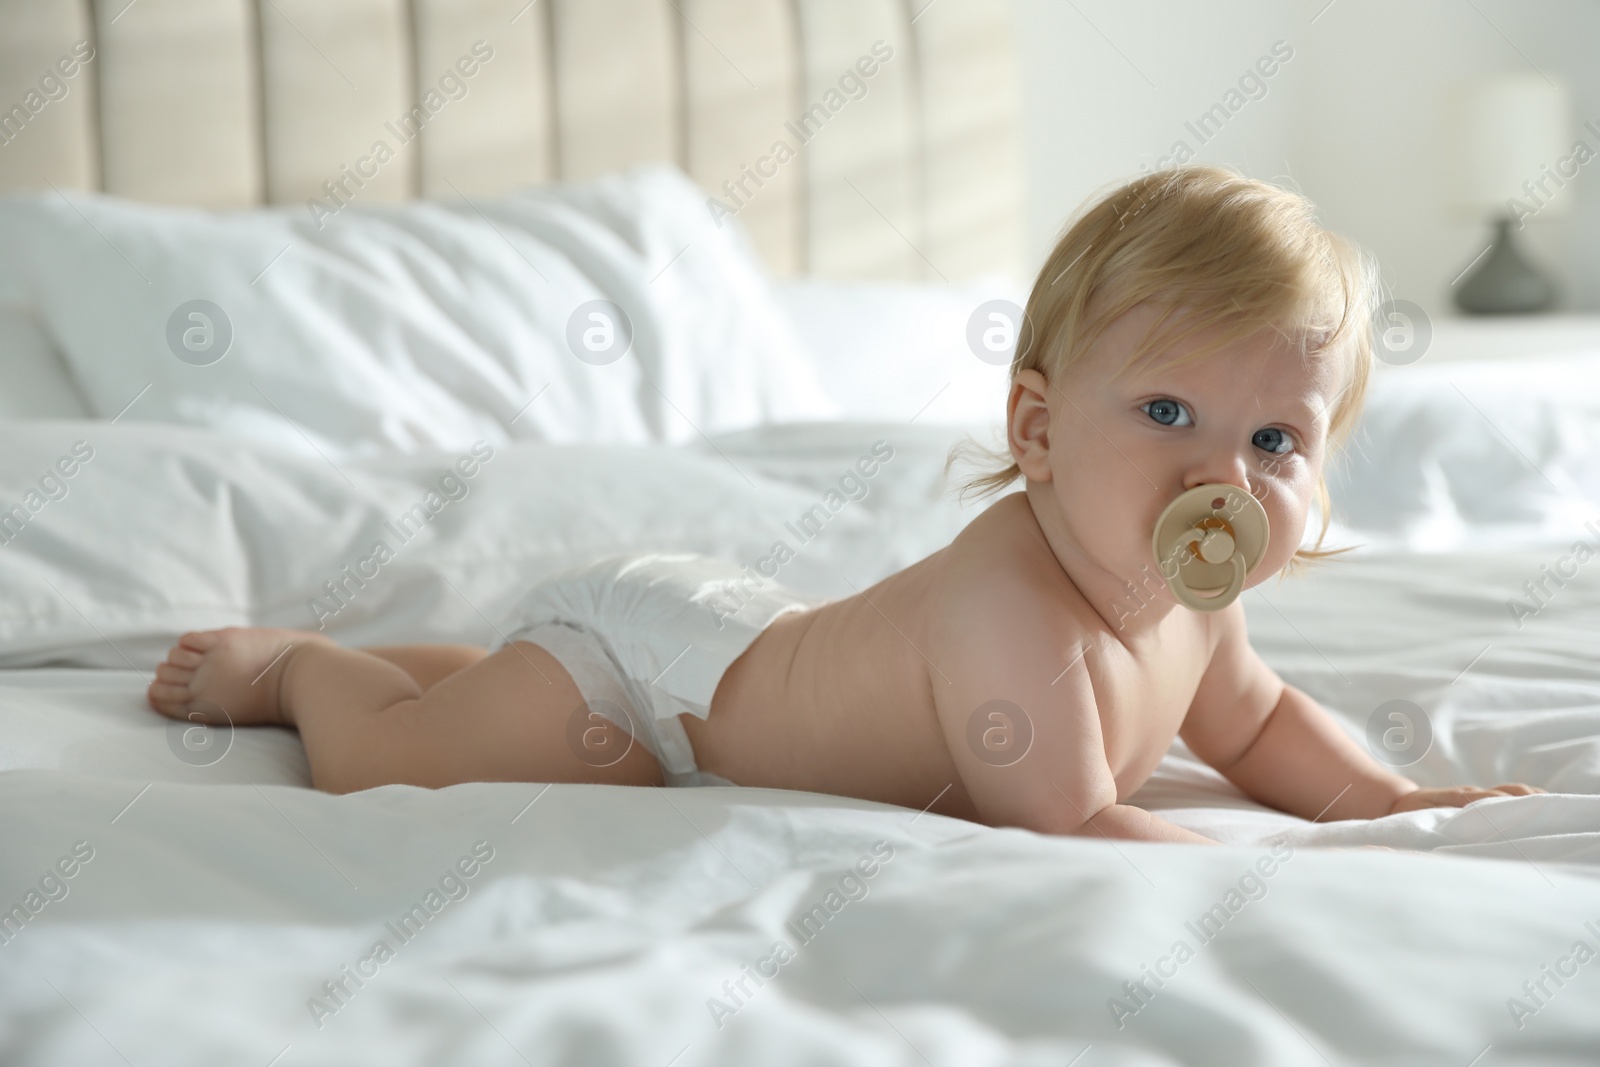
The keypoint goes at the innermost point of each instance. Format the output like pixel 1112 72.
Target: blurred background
pixel 1366 118
pixel 1412 126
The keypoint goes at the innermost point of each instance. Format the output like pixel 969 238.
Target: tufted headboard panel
pixel 853 138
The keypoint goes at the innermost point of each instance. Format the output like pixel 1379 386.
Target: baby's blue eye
pixel 1168 413
pixel 1272 440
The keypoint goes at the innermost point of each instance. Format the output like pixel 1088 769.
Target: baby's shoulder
pixel 1000 580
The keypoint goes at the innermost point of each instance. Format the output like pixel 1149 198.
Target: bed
pixel 179 895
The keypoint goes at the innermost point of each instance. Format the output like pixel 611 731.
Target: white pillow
pixel 887 350
pixel 1486 453
pixel 34 383
pixel 418 325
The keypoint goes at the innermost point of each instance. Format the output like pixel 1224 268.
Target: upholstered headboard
pixel 853 138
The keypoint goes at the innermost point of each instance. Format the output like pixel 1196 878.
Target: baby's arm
pixel 1284 749
pixel 1276 743
pixel 1004 665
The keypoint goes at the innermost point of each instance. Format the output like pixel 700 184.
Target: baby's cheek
pixel 1287 533
pixel 1288 515
pixel 1276 497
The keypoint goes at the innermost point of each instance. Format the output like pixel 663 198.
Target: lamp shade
pixel 1515 130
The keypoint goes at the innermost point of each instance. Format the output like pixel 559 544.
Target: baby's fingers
pixel 1458 796
pixel 1470 794
pixel 1451 797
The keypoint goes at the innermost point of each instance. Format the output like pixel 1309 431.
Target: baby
pixel 1194 328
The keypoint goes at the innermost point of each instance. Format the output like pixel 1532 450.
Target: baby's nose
pixel 1218 469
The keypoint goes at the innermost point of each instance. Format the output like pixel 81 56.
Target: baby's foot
pixel 231 675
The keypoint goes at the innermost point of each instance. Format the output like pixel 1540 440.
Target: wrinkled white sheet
pixel 167 529
pixel 612 925
pixel 221 898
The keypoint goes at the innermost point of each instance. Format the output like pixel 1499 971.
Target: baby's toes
pixel 174 675
pixel 1517 789
pixel 185 657
pixel 168 698
pixel 200 641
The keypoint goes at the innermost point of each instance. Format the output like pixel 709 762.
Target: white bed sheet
pixel 220 898
pixel 608 920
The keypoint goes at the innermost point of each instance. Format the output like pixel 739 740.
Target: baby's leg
pixel 512 716
pixel 429 664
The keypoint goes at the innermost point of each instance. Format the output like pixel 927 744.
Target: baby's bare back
pixel 874 696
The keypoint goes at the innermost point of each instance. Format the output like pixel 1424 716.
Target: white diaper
pixel 651 635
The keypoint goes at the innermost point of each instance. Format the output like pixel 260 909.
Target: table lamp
pixel 1515 143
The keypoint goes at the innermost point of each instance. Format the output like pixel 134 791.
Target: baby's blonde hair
pixel 1215 250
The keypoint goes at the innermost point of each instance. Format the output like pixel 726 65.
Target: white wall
pixel 1359 119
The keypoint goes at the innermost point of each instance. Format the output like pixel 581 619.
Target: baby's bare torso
pixel 841 699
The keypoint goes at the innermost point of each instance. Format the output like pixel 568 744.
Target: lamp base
pixel 1505 283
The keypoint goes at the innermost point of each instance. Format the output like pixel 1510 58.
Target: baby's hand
pixel 1458 796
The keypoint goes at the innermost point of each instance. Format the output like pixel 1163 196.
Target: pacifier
pixel 1207 542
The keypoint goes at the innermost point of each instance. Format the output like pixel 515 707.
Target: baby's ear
pixel 1028 424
